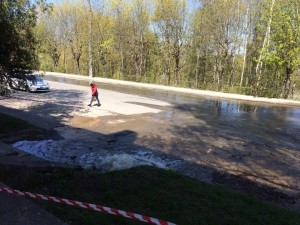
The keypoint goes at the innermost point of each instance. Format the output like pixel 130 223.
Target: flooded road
pixel 259 142
pixel 260 122
pixel 245 145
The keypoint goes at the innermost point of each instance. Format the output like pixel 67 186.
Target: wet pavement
pixel 194 135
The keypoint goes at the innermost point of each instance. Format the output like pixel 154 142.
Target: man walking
pixel 94 94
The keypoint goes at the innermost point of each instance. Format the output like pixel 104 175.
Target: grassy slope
pixel 144 190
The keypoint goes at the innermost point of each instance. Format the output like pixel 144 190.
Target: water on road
pixel 195 135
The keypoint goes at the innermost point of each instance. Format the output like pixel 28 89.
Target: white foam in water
pixel 110 162
pixel 56 152
pixel 47 149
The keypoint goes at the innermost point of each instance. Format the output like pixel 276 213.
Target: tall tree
pixel 73 19
pixel 170 19
pixel 104 41
pixel 223 33
pixel 140 23
pixel 120 14
pixel 17 42
pixel 251 46
pixel 50 35
pixel 90 40
pixel 265 42
pixel 280 53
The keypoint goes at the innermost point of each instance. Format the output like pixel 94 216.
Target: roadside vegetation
pixel 18 46
pixel 147 191
pixel 238 46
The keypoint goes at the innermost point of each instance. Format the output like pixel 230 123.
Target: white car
pixel 30 83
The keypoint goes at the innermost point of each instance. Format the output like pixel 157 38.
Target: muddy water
pixel 241 140
pixel 261 123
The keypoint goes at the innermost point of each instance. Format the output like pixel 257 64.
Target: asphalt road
pixel 259 143
pixel 52 109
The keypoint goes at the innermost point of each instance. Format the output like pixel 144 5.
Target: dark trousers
pixel 95 96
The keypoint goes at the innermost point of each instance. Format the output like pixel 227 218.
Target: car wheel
pixel 27 89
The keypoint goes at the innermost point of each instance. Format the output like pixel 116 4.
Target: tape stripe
pixel 85 205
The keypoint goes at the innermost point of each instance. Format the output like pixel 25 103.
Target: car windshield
pixel 34 78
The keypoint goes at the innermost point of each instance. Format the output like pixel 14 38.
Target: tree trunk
pixel 177 63
pixel 122 64
pixel 231 78
pixel 265 43
pixel 176 72
pixel 90 43
pixel 287 83
pixel 65 61
pixel 78 64
pixel 76 57
pixel 168 72
pixel 55 58
pixel 197 68
pixel 245 46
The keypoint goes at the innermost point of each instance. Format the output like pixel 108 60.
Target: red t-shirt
pixel 94 89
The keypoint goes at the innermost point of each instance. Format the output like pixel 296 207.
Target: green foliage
pixel 284 47
pixel 280 54
pixel 157 41
pixel 17 42
pixel 147 191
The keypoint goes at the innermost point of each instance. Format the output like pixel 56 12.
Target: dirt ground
pixel 231 169
pixel 239 182
pixel 267 170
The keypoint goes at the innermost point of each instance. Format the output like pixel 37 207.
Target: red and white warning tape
pixel 85 205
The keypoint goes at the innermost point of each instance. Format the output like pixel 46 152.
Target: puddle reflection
pixel 264 122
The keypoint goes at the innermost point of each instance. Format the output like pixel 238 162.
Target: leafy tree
pixel 279 54
pixel 246 46
pixel 17 41
pixel 285 42
pixel 50 42
pixel 222 36
pixel 91 71
pixel 170 18
pixel 139 26
pixel 103 40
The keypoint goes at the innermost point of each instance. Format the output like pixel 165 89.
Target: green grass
pixel 147 191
